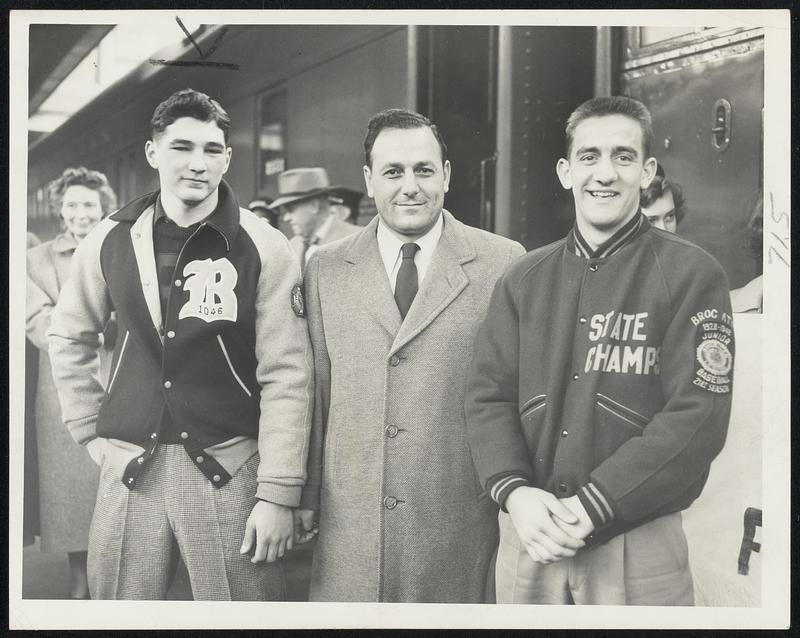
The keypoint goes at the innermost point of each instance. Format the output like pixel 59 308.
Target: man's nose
pixel 605 171
pixel 410 185
pixel 197 161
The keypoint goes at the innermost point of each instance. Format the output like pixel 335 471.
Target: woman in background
pixel 663 203
pixel 67 475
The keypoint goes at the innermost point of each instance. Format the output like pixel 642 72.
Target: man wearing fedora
pixel 303 199
pixel 402 516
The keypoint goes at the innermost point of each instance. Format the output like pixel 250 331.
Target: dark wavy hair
pixel 661 186
pixel 613 105
pixel 398 118
pixel 189 103
pixel 82 176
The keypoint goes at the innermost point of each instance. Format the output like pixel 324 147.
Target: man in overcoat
pixel 402 516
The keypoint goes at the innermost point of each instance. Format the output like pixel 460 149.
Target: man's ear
pixel 649 171
pixel 446 169
pixel 368 179
pixel 564 174
pixel 150 153
pixel 228 154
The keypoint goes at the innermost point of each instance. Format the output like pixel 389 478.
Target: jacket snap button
pixel 594 267
pixel 392 431
pixel 564 433
pixel 130 481
pixel 216 478
pixel 140 460
pixel 184 435
pixel 575 377
pixel 199 459
pixel 395 360
pixel 562 487
pixel 167 384
pixel 153 435
pixel 171 334
pixel 582 320
pixel 178 282
pixel 390 502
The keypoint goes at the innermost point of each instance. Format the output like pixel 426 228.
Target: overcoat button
pixel 390 502
pixel 395 360
pixel 392 431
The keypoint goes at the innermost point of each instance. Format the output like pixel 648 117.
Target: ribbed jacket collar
pixel 633 228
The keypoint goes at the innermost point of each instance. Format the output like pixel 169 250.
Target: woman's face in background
pixel 81 210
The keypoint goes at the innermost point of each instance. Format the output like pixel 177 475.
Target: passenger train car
pixel 301 95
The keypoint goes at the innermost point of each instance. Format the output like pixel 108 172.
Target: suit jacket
pixel 337 230
pixel 403 516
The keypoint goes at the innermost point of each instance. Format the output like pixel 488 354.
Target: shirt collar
pixel 389 245
pixel 224 219
pixel 613 244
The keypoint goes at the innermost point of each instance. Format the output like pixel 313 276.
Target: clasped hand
pixel 549 528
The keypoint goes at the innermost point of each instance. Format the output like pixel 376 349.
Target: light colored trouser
pixel 648 565
pixel 136 534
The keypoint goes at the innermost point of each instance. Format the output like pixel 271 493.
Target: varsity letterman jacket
pixel 607 376
pixel 231 359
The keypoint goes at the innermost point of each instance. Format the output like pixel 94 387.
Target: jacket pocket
pixel 615 424
pixel 119 362
pixel 231 368
pixel 625 413
pixel 531 416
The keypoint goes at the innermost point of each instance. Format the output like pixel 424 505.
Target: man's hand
pixel 269 527
pixel 584 526
pixel 304 527
pixel 533 512
pixel 97 449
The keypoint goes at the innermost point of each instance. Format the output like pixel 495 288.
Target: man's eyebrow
pixel 626 149
pixel 215 145
pixel 184 142
pixel 587 149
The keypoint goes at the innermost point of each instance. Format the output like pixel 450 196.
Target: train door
pixel 705 90
pixel 457 89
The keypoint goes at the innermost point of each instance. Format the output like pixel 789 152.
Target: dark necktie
pixel 406 286
pixel 308 242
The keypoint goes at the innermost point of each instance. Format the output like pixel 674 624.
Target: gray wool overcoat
pixel 403 517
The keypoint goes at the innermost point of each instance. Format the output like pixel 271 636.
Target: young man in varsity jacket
pixel 600 387
pixel 203 427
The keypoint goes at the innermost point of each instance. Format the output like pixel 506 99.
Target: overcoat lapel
pixel 444 282
pixel 369 275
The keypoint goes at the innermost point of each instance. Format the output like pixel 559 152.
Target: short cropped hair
pixel 82 176
pixel 615 105
pixel 189 103
pixel 659 187
pixel 398 118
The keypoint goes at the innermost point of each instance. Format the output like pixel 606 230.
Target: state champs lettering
pixel 210 283
pixel 621 353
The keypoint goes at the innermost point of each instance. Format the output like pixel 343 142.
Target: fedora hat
pixel 298 184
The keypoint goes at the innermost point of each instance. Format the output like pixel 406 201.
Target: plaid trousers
pixel 136 534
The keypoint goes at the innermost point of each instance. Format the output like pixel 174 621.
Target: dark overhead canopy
pixel 54 51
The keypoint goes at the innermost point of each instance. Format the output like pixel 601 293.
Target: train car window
pixel 649 36
pixel 272 142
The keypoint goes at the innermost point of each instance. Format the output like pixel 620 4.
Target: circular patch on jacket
pixel 714 357
pixel 297 300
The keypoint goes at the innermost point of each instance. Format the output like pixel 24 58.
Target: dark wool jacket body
pixel 607 378
pixel 231 360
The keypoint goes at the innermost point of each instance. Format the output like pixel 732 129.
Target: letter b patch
pixel 210 284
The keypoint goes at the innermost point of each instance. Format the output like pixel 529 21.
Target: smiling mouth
pixel 603 194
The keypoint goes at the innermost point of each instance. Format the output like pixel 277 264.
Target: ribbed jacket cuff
pixel 279 494
pixel 597 506
pixel 501 486
pixel 84 429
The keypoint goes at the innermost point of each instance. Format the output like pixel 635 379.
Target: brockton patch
pixel 714 350
pixel 297 300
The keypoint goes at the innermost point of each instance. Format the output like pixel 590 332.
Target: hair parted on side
pixel 613 105
pixel 82 176
pixel 661 186
pixel 189 103
pixel 402 119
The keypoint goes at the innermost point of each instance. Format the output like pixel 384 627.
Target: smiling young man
pixel 202 433
pixel 601 384
pixel 401 516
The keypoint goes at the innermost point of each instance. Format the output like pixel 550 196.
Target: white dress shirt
pixel 317 236
pixel 389 247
